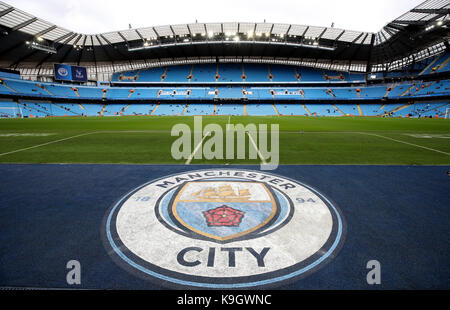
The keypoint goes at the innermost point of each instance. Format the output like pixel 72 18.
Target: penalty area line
pixel 85 134
pixel 46 143
pixel 256 148
pixel 188 161
pixel 408 143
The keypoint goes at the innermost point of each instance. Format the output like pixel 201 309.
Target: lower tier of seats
pixel 35 108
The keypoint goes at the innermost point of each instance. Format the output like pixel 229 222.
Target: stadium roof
pixel 26 39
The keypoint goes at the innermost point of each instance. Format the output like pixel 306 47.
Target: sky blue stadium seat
pixel 229 109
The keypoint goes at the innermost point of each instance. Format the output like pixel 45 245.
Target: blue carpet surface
pixel 398 215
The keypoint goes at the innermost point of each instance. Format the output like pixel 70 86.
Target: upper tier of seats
pixel 59 91
pixel 234 72
pixel 438 65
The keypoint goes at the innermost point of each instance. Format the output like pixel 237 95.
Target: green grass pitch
pixel 303 140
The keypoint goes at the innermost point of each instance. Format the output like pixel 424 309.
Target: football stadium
pixel 225 155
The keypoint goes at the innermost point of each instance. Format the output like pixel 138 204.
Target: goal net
pixel 10 112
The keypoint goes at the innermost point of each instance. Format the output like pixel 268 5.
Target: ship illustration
pixel 224 193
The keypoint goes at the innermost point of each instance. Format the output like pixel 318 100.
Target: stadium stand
pixel 177 73
pixel 260 109
pixel 438 65
pixel 139 109
pixel 9 109
pixel 199 109
pixel 229 109
pixel 204 73
pixel 283 73
pixel 256 73
pixel 169 109
pixel 50 90
pixel 365 78
pixel 151 74
pixel 290 109
pixel 230 72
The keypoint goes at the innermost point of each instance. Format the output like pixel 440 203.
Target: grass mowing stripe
pixel 303 140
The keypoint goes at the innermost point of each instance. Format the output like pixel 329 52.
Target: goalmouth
pixel 11 112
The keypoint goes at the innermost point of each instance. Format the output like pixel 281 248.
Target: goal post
pixel 11 112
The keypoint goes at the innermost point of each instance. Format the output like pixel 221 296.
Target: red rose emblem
pixel 223 216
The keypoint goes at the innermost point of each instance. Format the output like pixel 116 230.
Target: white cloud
pixel 97 16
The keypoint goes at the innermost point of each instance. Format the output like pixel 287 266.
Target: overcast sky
pixel 98 16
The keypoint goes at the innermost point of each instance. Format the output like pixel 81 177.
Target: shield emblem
pixel 223 211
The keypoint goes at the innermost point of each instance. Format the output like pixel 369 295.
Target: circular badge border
pixel 175 279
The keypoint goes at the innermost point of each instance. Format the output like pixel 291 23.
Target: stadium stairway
pixel 75 90
pixel 368 109
pixel 398 108
pixel 270 75
pixel 334 106
pixel 389 88
pixel 199 109
pixel 102 110
pixel 4 84
pixel 428 68
pixel 359 110
pixel 155 108
pixel 444 65
pixel 185 108
pixel 45 89
pixel 438 65
pixel 275 108
pixel 190 75
pixel 290 109
pixel 306 109
pixel 348 109
pixel 408 91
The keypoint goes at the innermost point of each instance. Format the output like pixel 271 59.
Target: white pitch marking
pixel 84 134
pixel 26 134
pixel 47 143
pixel 188 161
pixel 416 145
pixel 428 136
pixel 256 148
